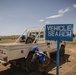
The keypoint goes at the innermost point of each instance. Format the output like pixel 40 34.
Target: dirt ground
pixel 67 65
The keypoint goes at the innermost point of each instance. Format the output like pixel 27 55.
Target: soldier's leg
pixel 48 55
pixel 43 68
pixel 33 58
pixel 43 65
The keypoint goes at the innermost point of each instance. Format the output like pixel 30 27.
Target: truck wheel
pixel 31 66
pixel 29 40
pixel 62 50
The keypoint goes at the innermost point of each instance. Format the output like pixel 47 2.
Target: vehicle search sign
pixel 59 32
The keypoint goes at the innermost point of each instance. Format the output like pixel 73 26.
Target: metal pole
pixel 58 57
pixel 38 34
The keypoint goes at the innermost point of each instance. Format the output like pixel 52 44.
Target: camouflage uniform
pixel 44 59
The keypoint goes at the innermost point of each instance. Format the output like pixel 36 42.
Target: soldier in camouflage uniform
pixel 43 58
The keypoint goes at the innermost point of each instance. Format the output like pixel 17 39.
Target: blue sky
pixel 17 15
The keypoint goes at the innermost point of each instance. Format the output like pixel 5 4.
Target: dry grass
pixel 72 42
pixel 7 40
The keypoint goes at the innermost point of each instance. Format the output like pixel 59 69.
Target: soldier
pixel 43 58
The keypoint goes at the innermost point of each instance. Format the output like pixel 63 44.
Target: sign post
pixel 59 32
pixel 57 60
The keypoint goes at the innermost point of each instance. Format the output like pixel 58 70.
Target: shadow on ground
pixel 17 71
pixel 63 60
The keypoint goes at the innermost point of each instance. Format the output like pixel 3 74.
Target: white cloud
pixel 63 11
pixel 74 5
pixel 60 13
pixel 41 20
pixel 46 22
pixel 54 16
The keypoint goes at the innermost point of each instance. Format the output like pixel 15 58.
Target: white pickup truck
pixel 19 53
